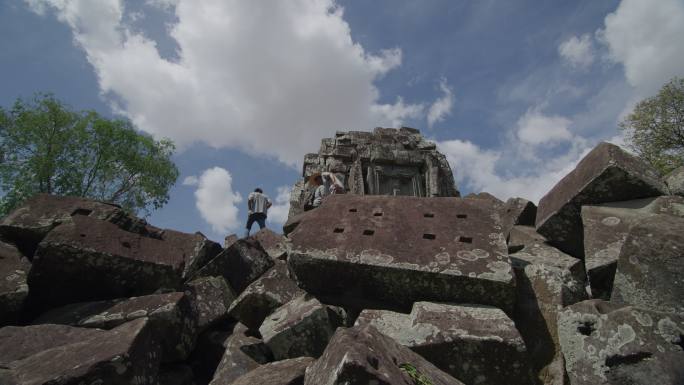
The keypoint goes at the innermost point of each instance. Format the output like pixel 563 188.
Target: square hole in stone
pixel 461 216
pixel 429 236
pixel 378 214
pixel 338 230
pixel 368 232
pixel 465 239
pixel 84 212
pixel 352 210
pixel 429 215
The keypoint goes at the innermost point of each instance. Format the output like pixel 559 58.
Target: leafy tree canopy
pixel 46 147
pixel 655 129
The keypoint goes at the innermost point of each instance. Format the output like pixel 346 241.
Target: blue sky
pixel 514 92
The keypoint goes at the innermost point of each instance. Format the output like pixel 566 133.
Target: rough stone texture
pixel 210 298
pixel 171 318
pixel 385 162
pixel 363 355
pixel 650 265
pixel 517 211
pixel 605 230
pixel 57 354
pixel 243 354
pixel 13 288
pixel 272 290
pixel 229 240
pixel 274 244
pixel 604 343
pixel 285 372
pixel 393 251
pixel 675 181
pixel 606 174
pixel 240 264
pixel 476 344
pixel 196 248
pixel 547 280
pixel 301 327
pixel 85 259
pixel 486 196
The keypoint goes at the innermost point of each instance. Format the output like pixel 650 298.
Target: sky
pixel 514 93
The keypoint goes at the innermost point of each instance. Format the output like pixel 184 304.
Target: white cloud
pixel 216 200
pixel 646 37
pixel 277 214
pixel 578 52
pixel 190 181
pixel 441 108
pixel 267 77
pixel 535 128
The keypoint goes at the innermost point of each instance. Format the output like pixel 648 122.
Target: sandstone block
pixel 650 265
pixel 362 355
pixel 51 354
pixel 285 372
pixel 517 211
pixel 210 298
pixel 476 344
pixel 274 244
pixel 270 291
pixel 675 181
pixel 13 288
pixel 301 327
pixel 243 354
pixel 606 174
pixel 393 251
pixel 604 343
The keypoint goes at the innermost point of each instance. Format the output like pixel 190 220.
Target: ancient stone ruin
pixel 397 281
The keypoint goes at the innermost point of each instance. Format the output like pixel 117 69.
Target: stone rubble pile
pixel 417 289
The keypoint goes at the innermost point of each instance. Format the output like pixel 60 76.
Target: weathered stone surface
pixel 606 174
pixel 274 244
pixel 486 196
pixel 243 354
pixel 13 288
pixel 476 344
pixel 675 181
pixel 605 230
pixel 546 280
pixel 263 296
pixel 240 264
pixel 285 372
pixel 85 259
pixel 604 343
pixel 210 298
pixel 229 240
pixel 393 251
pixel 517 211
pixel 171 318
pixel 56 354
pixel 650 265
pixel 197 249
pixel 301 327
pixel 363 355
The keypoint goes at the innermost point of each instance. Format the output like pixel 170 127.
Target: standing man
pixel 258 204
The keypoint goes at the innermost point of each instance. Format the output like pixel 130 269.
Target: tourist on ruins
pixel 258 204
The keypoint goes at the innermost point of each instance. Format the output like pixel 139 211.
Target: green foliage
pixel 46 147
pixel 655 129
pixel 417 377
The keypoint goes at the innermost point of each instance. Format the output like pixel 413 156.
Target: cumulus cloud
pixel 646 38
pixel 577 51
pixel 190 180
pixel 267 77
pixel 216 200
pixel 441 108
pixel 277 214
pixel 535 128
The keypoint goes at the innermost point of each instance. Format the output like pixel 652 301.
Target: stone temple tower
pixel 387 161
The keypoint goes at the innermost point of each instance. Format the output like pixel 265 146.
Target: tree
pixel 655 129
pixel 46 147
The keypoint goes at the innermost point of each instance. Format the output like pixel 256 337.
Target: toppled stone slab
pixel 86 259
pixel 606 174
pixel 675 181
pixel 243 354
pixel 650 265
pixel 209 349
pixel 274 244
pixel 476 344
pixel 604 343
pixel 362 355
pixel 546 280
pixel 605 230
pixel 301 327
pixel 285 372
pixel 198 250
pixel 51 354
pixel 517 211
pixel 171 318
pixel 262 297
pixel 210 298
pixel 240 264
pixel 229 240
pixel 393 251
pixel 13 288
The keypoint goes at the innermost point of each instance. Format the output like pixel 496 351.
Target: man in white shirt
pixel 258 204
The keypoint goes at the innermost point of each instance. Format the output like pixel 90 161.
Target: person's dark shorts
pixel 259 218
